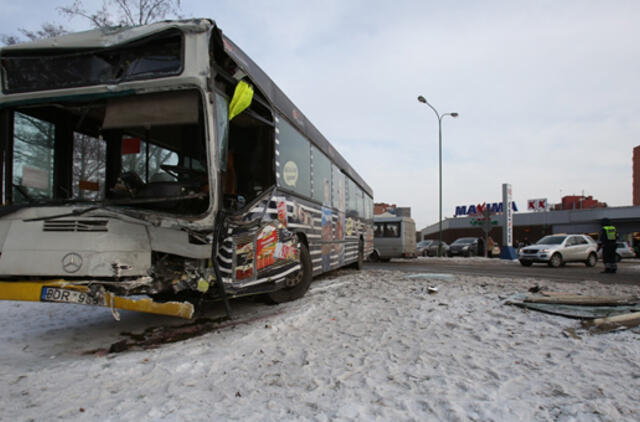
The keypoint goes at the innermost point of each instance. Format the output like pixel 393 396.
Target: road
pixel 628 271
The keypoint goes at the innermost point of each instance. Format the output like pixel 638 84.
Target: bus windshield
pixel 146 150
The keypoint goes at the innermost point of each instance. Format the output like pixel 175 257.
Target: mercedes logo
pixel 71 262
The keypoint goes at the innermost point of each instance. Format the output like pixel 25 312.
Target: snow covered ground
pixel 373 345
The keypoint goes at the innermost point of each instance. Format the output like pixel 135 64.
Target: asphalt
pixel 628 270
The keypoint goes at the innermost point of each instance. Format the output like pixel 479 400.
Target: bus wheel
pixel 296 284
pixel 360 262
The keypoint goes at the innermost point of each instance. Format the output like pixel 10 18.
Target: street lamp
pixel 454 115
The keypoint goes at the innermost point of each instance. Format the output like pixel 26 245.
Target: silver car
pixel 623 250
pixel 558 249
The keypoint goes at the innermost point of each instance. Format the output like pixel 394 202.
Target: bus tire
pixel 302 277
pixel 360 262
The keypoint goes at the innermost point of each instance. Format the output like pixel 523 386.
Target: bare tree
pixel 9 39
pixel 111 13
pixel 124 12
pixel 47 30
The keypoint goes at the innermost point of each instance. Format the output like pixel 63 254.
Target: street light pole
pixel 440 117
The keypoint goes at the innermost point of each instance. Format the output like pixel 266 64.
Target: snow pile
pixel 374 345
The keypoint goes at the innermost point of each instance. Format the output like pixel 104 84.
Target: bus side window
pixel 222 126
pixel 352 195
pixel 225 155
pixel 294 159
pixel 321 177
pixel 338 188
pixel 392 230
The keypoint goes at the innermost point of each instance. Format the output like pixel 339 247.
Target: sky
pixel 546 91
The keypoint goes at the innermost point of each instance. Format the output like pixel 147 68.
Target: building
pixel 574 202
pixel 382 207
pixel 532 226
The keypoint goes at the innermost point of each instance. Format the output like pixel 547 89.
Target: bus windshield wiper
pixel 68 214
pixel 105 204
pixel 134 201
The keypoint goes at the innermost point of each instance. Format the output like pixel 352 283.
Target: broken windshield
pixel 153 57
pixel 145 151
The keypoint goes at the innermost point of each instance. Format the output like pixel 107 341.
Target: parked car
pixel 421 247
pixel 432 249
pixel 623 250
pixel 464 246
pixel 555 250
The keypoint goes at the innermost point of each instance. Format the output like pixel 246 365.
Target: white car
pixel 623 251
pixel 558 249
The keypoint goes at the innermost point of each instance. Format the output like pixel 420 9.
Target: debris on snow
pixel 604 325
pixel 392 353
pixel 602 313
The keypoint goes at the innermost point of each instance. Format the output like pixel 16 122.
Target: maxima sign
pixel 496 207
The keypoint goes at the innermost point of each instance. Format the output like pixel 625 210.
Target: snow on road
pixel 374 345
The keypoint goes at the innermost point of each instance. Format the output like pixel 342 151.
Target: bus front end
pixel 109 178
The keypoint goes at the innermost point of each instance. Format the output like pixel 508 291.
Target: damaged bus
pixel 157 167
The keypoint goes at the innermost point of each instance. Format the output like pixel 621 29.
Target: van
pixel 394 237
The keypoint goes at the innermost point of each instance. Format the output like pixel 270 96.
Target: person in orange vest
pixel 607 241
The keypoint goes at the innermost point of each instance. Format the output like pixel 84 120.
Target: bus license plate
pixel 54 294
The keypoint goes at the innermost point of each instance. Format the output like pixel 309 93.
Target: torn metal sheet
pixel 604 325
pixel 573 299
pixel 572 311
pixel 62 291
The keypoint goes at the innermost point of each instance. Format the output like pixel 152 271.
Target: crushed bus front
pixel 156 168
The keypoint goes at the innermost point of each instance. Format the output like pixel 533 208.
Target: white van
pixel 394 237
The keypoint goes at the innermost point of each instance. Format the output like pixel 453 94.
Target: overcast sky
pixel 548 91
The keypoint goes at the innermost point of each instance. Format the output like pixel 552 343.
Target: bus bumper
pixel 61 291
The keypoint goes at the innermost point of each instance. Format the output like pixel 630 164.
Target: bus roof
pixel 108 37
